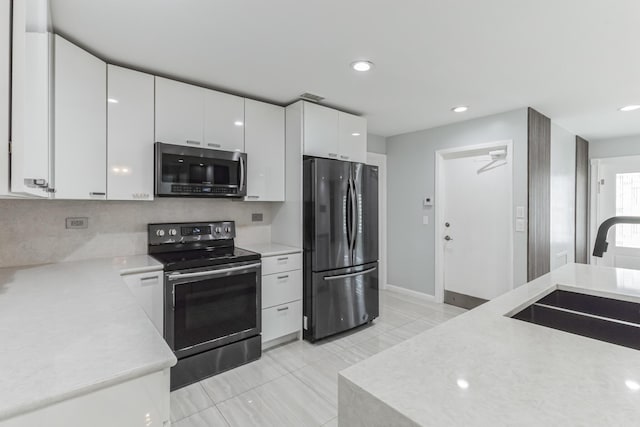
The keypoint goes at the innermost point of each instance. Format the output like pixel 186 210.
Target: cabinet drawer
pixel 281 288
pixel 281 320
pixel 280 263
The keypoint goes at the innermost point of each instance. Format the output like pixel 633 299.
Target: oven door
pixel 199 172
pixel 212 307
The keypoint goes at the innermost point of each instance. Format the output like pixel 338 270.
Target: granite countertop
pixel 71 328
pixel 271 249
pixel 484 368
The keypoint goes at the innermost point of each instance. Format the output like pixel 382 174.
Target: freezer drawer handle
pixel 344 276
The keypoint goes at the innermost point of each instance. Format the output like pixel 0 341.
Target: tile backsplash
pixel 34 232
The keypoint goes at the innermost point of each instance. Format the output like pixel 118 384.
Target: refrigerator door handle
pixel 354 217
pixel 343 276
pixel 348 214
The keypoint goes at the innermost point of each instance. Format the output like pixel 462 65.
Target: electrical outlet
pixel 77 222
pixel 257 217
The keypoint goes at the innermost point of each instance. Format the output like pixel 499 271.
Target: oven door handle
pixel 210 273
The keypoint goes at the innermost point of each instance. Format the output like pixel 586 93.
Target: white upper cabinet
pixel 179 113
pixel 30 99
pixel 130 119
pixel 80 123
pixel 352 144
pixel 223 121
pixel 264 143
pixel 5 61
pixel 320 131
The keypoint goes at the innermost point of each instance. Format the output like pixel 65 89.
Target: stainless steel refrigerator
pixel 340 246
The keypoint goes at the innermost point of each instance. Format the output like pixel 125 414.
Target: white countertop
pixel 517 373
pixel 271 249
pixel 135 264
pixel 70 328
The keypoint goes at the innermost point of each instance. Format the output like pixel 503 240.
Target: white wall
pixel 376 144
pixel 410 161
pixel 615 147
pixel 33 231
pixel 563 196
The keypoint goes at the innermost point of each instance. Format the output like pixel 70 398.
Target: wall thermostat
pixel 427 201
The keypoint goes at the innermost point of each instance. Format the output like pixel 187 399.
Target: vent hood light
pixel 460 109
pixel 362 65
pixel 629 108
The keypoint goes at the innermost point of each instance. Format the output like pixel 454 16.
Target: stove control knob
pixel 227 230
pixel 160 233
pixel 218 230
pixel 173 232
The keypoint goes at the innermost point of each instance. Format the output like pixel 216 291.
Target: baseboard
pixel 409 292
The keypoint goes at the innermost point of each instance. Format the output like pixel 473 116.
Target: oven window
pixel 214 308
pixel 182 169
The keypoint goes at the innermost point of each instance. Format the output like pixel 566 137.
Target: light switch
pixel 520 212
pixel 425 220
pixel 520 225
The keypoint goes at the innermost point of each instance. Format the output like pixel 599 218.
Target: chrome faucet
pixel 601 244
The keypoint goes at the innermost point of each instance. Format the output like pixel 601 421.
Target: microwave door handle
pixel 241 173
pixel 210 273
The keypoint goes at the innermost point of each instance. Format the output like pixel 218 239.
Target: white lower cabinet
pixel 281 297
pixel 147 288
pixel 139 402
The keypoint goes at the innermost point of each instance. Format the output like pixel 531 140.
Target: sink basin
pixel 604 319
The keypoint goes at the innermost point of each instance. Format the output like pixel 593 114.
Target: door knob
pixel 448 238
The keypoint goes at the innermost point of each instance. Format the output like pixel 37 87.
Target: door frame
pixel 440 158
pixel 380 160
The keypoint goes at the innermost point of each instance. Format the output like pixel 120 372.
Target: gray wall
pixel 33 231
pixel 615 147
pixel 411 167
pixel 376 144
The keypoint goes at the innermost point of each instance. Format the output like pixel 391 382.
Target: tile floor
pixel 295 384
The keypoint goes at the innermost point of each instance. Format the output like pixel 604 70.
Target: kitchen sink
pixel 604 319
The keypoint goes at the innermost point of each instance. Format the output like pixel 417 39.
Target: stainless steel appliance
pixel 212 298
pixel 340 246
pixel 199 172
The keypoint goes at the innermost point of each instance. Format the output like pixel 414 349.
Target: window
pixel 628 204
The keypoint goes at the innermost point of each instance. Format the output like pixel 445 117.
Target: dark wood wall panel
pixel 582 200
pixel 539 249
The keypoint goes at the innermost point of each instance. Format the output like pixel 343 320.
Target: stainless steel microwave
pixel 199 172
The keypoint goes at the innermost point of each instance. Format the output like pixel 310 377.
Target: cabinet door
pixel 223 121
pixel 5 61
pixel 353 138
pixel 30 100
pixel 264 144
pixel 320 131
pixel 130 134
pixel 80 154
pixel 147 288
pixel 179 113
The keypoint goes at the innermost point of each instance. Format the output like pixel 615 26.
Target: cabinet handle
pixel 283 277
pixel 253 197
pixel 283 259
pixel 344 157
pixel 35 182
pixel 97 193
pixel 192 142
pixel 333 154
pixel 214 145
pixel 149 279
pixel 283 308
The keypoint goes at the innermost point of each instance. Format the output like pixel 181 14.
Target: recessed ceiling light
pixel 238 123
pixel 460 109
pixel 630 108
pixel 362 65
pixel 632 385
pixel 463 384
pixel 355 134
pixel 112 100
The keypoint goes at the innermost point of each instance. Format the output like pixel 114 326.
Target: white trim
pixel 380 160
pixel 440 157
pixel 409 292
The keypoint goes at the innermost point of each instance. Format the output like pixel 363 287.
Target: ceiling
pixel 575 61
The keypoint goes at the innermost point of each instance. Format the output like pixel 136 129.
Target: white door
pixel 264 144
pixel 223 121
pixel 179 113
pixel 476 222
pixel 618 194
pixel 352 135
pixel 380 160
pixel 130 134
pixel 320 131
pixel 80 143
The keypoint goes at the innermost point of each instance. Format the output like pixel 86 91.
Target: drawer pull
pixel 283 259
pixel 97 193
pixel 286 276
pixel 283 308
pixel 192 142
pixel 149 278
pixel 214 145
